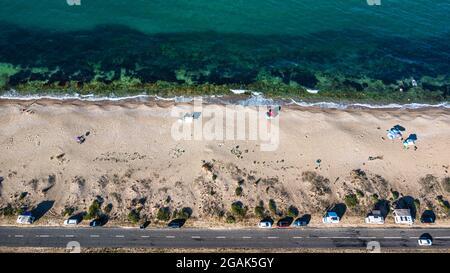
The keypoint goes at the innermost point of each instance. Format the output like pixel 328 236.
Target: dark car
pixel 98 222
pixel 283 223
pixel 177 223
pixel 427 220
pixel 144 225
pixel 428 217
pixel 300 223
pixel 95 223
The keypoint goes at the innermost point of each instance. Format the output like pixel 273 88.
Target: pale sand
pixel 131 152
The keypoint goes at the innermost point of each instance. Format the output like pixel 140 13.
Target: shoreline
pixel 243 100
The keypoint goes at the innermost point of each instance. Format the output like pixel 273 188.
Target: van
pixel 331 217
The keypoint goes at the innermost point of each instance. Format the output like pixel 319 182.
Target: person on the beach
pixel 270 113
pixel 81 139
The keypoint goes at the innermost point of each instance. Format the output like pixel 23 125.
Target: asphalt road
pixel 219 238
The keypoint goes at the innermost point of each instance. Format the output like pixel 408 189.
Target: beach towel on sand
pixel 395 132
pixel 410 141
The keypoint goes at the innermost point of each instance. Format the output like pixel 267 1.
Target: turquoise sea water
pixel 328 45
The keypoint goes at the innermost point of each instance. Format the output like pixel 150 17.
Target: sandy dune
pixel 131 160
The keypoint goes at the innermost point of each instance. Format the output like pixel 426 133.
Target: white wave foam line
pixel 92 97
pixel 254 100
pixel 334 105
pixel 89 97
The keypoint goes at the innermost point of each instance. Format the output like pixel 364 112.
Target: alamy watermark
pixel 374 2
pixel 374 247
pixel 227 123
pixel 73 2
pixel 73 247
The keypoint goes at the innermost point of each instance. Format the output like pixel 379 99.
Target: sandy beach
pixel 131 160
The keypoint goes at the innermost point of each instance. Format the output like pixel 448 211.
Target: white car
pixel 25 218
pixel 71 222
pixel 425 242
pixel 265 224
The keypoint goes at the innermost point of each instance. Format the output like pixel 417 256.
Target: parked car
pixel 25 218
pixel 428 217
pixel 177 223
pixel 300 222
pixel 331 217
pixel 283 223
pixel 425 240
pixel 95 223
pixel 144 225
pixel 71 222
pixel 427 220
pixel 265 224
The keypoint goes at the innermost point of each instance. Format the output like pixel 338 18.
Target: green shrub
pixel 23 195
pixel 237 208
pixel 20 210
pixel 184 213
pixel 375 197
pixel 443 203
pixel 93 211
pixel 163 214
pixel 108 208
pixel 259 211
pixel 68 211
pixel 272 206
pixel 238 191
pixel 351 200
pixel 359 193
pixel 168 199
pixel 292 212
pixel 134 216
pixel 395 194
pixel 8 210
pixel 446 184
pixel 230 219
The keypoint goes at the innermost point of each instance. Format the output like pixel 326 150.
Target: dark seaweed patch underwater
pixel 116 59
